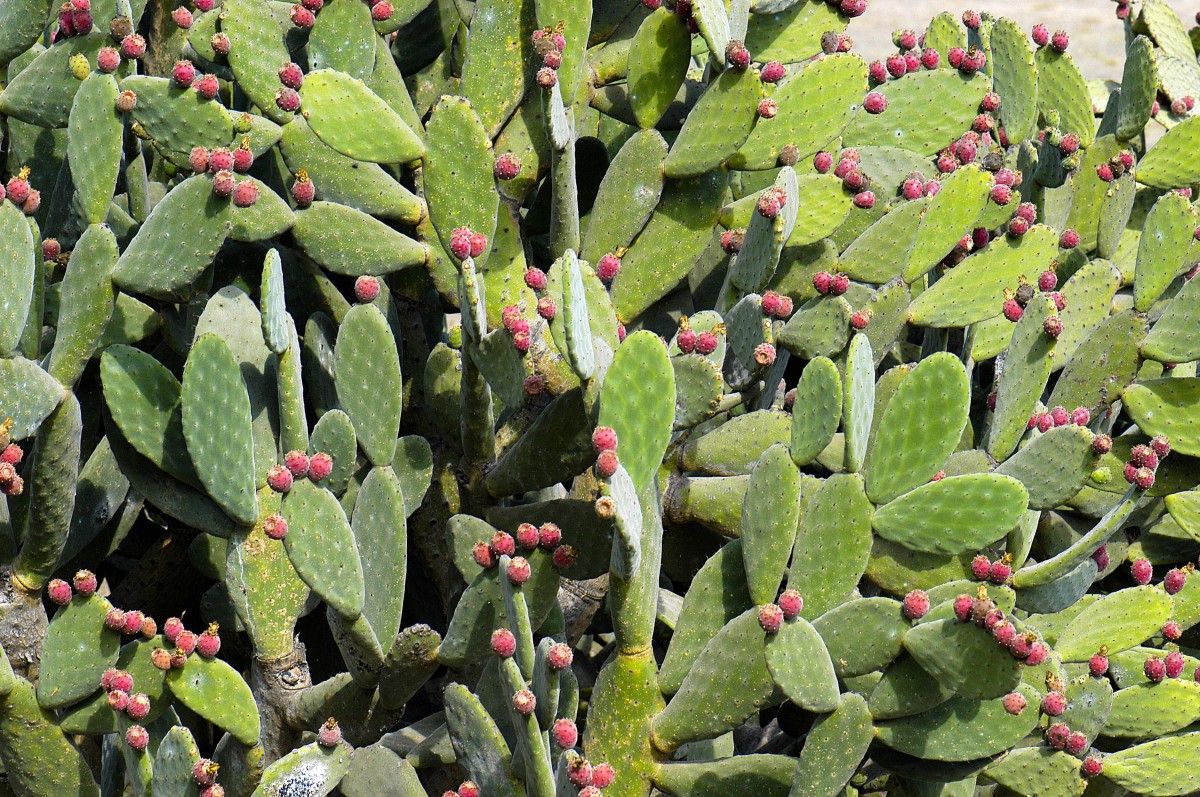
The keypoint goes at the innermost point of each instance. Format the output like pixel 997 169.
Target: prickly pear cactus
pixel 519 398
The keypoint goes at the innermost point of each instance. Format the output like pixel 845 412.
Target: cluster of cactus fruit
pixel 594 398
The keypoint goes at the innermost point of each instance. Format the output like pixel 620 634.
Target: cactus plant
pixel 594 397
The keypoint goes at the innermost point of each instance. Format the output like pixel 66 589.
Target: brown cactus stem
pixel 23 624
pixel 277 684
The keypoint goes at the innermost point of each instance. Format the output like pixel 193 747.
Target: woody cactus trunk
pixel 570 398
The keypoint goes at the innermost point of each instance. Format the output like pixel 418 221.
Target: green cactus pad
pixel 1089 191
pixel 458 172
pixel 498 58
pixel 960 729
pixel 1168 162
pixel 873 255
pixel 906 690
pixel 343 39
pixel 718 126
pixel 1115 209
pixel 39 94
pixel 1120 620
pixel 799 662
pixel 367 366
pixel 1166 407
pixel 380 531
pixel 218 427
pixel 1014 78
pixel 27 395
pixel 17 272
pixel 267 218
pixel 478 613
pixel 658 60
pixel 1170 340
pixel 273 305
pixel 577 330
pixel 334 435
pixel 37 757
pixel 627 522
pixel 964 658
pixel 321 546
pixel 624 700
pixel 1063 90
pixel 818 328
pixel 833 749
pixel 216 692
pixel 769 518
pixel 409 664
pixel 862 635
pixel 859 401
pixel 556 447
pixel 765 775
pixel 1156 768
pixel 763 241
pixel 954 515
pixel 826 206
pixel 1054 466
pixel 21 24
pixel 815 104
pixel 833 543
pixel 1103 365
pixel 1089 294
pixel 349 242
pixel 638 402
pixel 189 212
pixel 698 389
pixel 312 770
pixel 925 112
pixel 177 119
pixel 177 755
pixel 1147 710
pixel 710 703
pixel 78 648
pixel 949 216
pixel 94 145
pixel 1038 770
pixel 627 195
pixel 1139 84
pixel 353 120
pixel 1163 250
pixel 817 410
pixel 974 290
pixel 478 744
pixel 1027 367
pixel 257 49
pixel 907 452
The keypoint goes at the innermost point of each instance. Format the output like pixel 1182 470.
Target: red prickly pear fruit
pixel 1101 557
pixel 243 158
pixel 1022 646
pixel 930 58
pixel 853 8
pixel 137 737
pixel 1076 743
pixel 205 5
pixel 1143 457
pixel 207 86
pixel 1047 280
pixel 1143 478
pixel 1004 632
pixel 185 643
pixel 839 285
pixel 205 772
pixel 483 555
pixel 916 604
pixel 1069 144
pixel 1105 172
pixel 1006 177
pixel 115 620
pixel 524 702
pixel 533 385
pixel 565 734
pixel 224 184
pixel 686 340
pixel 547 77
pixel 981 608
pixel 198 159
pixel 510 316
pixel 772 72
pixel 504 644
pixel 822 162
pixel 983 123
pixel 275 526
pixel 549 536
pixel 1174 664
pixel 208 643
pixel 507 166
pixel 736 55
pixel 864 200
pixel 608 268
pixel 1098 664
pixel 1057 735
pixel 962 607
pixel 303 190
pixel 133 623
pixel 993 617
pixel 955 56
pixel 1130 472
pixel 604 438
pixel 245 194
pixel 706 343
pixel 1174 580
pixel 1037 654
pixel 1081 416
pixel 59 591
pixel 1102 444
pixel 860 319
pixel 503 544
pixel 912 188
pixel 972 19
pixel 590 791
pixel 18 188
pixel 874 103
pixel 1142 571
pixel 1015 703
pixel 288 100
pixel 1054 704
pixel 468 788
pixel 905 39
pixel 1059 300
pixel 770 202
pixel 1059 41
pixel 564 556
pixel 770 617
pixel 937 477
pixel 183 74
pixel 51 249
pixel 172 628
pixel 535 279
pixel 119 680
pixel 990 102
pixel 220 44
pixel 1160 444
pixel 768 108
pixel 770 303
pixel 606 464
pixel 731 241
pixel 1017 227
pixel 1013 310
pixel 844 166
pixel 139 706
pixel 1027 211
pixel 1053 327
pixel 1155 669
pixel 320 466
pixel 149 627
pixel 785 307
pixel 897 66
pixel 133 47
pixel 215 790
pixel 791 604
pixel 877 73
pixel 297 463
pixel 118 700
pixel 182 17
pixel 220 160
pixel 981 567
pixel 603 775
pixel 518 570
pixel 527 535
pixel 1041 35
pixel 1001 194
pixel 579 771
pixel 279 479
pixel 291 75
pixel 823 282
pixel 161 658
pixel 382 11
pixel 1092 766
pixel 764 355
pixel 559 657
pixel 546 308
pixel 330 734
pixel 366 288
pixel 1171 631
pixel 946 163
pixel 479 243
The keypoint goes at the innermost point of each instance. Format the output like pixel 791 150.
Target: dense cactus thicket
pixel 570 398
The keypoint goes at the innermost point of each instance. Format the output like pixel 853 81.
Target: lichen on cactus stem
pixel 585 401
